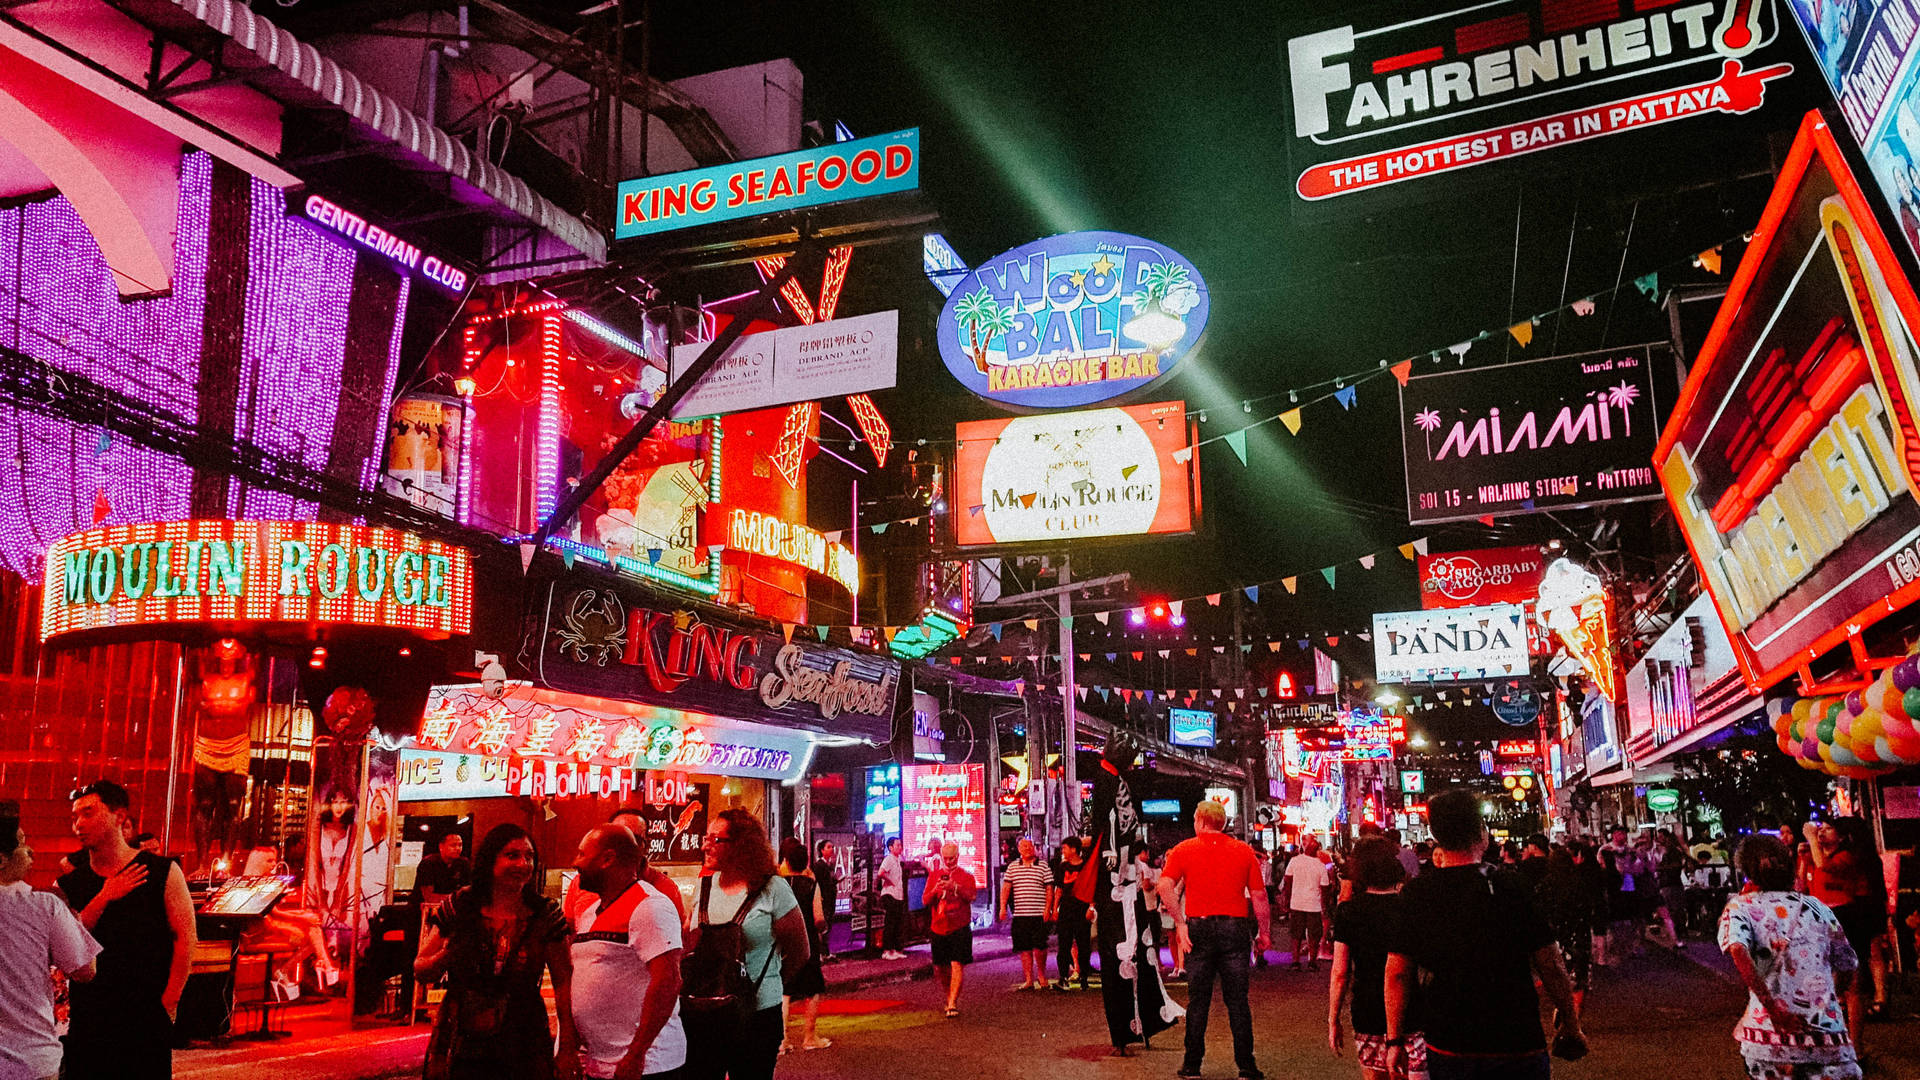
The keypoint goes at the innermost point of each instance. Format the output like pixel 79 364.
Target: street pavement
pixel 1657 1017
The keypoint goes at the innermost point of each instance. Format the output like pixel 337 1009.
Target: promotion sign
pixel 1548 434
pixel 1072 320
pixel 796 363
pixel 1450 645
pixel 673 819
pixel 947 803
pixel 1124 471
pixel 876 165
pixel 1790 459
pixel 1866 51
pixel 1398 96
pixel 1506 575
pixel 219 571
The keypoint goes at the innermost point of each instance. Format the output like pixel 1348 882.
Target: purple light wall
pixel 58 303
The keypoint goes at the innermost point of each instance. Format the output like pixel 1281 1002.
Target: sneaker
pixel 1188 1072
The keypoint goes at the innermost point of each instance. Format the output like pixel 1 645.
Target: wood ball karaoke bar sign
pixel 184 572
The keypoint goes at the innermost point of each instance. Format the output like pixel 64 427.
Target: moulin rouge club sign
pixel 1072 320
pixel 1505 575
pixel 1122 471
pixel 1414 96
pixel 255 571
pixel 598 642
pixel 1790 460
pixel 1547 434
pixel 876 165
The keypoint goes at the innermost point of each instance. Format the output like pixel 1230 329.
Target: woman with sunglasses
pixel 739 874
pixel 493 941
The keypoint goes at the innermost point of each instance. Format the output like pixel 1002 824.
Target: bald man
pixel 626 963
pixel 636 823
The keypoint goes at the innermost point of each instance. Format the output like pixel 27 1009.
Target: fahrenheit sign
pixel 877 165
pixel 255 571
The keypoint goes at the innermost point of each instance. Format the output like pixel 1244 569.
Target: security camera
pixel 493 674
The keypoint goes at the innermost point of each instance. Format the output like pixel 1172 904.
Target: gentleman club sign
pixel 1547 434
pixel 1389 96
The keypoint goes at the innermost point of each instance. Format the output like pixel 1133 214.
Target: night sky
pixel 1170 121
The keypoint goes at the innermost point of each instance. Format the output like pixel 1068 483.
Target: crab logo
pixel 594 629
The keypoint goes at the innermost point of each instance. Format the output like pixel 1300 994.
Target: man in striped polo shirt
pixel 1023 892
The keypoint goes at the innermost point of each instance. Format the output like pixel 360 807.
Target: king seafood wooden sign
pixel 601 640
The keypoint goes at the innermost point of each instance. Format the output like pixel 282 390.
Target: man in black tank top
pixel 136 905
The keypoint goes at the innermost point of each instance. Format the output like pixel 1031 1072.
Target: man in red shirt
pixel 949 893
pixel 1212 885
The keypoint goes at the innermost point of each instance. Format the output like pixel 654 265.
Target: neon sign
pixel 761 534
pixel 876 165
pixel 338 219
pixel 1072 320
pixel 1515 748
pixel 255 571
pixel 1574 605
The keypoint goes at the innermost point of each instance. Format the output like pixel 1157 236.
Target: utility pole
pixel 1069 743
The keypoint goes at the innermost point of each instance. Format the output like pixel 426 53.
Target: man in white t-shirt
pixel 891 882
pixel 1304 886
pixel 40 933
pixel 626 963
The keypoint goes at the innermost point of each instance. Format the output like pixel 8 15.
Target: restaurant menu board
pixel 1548 434
pixel 675 813
pixel 946 803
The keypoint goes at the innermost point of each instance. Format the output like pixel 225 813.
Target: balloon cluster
pixel 1859 734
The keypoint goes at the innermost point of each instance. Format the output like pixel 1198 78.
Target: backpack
pixel 713 974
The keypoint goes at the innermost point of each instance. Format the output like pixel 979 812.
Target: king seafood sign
pixel 598 641
pixel 1388 96
pixel 1793 453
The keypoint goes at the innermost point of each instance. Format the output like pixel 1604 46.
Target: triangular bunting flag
pixel 1648 284
pixel 1126 695
pixel 1253 593
pixel 567 557
pixel 1365 635
pixel 834 536
pixel 954 660
pixel 1178 607
pixel 889 632
pixel 101 509
pixel 1214 599
pixel 1709 260
pixel 1366 562
pixel 1292 584
pixel 1420 545
pixel 1112 656
pixel 1031 624
pixel 1486 519
pixel 1327 572
pixel 1239 692
pixel 1402 371
pixel 1291 418
pixel 1216 691
pixel 1522 332
pixel 974 510
pixel 1140 655
pixel 1406 552
pixel 1273 646
pixel 1237 440
pixel 1102 616
pixel 1026 501
pixel 1086 657
pixel 1583 307
pixel 1220 649
pixel 1246 648
pixel 1304 643
pixel 1183 455
pixel 880 527
pixel 996 629
pixel 1164 653
pixel 653 555
pixel 786 631
pixel 1460 350
pixel 1083 693
pixel 821 632
pixel 1333 641
pixel 1193 652
pixel 1066 623
pixel 1345 396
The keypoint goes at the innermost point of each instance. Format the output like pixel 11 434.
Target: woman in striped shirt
pixel 1023 893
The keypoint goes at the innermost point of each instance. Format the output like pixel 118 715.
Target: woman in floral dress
pixel 1793 955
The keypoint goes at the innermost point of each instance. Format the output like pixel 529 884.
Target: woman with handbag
pixel 744 918
pixel 493 941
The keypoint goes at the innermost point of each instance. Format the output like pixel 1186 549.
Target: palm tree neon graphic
pixel 978 310
pixel 1622 396
pixel 1428 421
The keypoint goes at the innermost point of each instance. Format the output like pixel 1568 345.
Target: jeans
pixel 1074 929
pixel 1447 1067
pixel 894 932
pixel 1222 945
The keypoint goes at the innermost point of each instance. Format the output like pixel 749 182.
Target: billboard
pixel 1075 476
pixel 1450 645
pixel 1389 96
pixel 876 165
pixel 1503 575
pixel 1190 727
pixel 947 803
pixel 1866 50
pixel 1790 460
pixel 795 363
pixel 1547 434
pixel 1072 320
